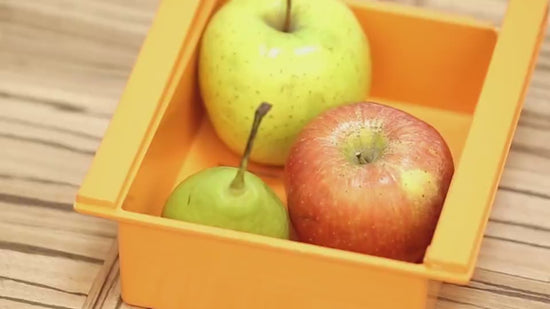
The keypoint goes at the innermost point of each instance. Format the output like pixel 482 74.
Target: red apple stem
pixel 286 27
pixel 261 111
pixel 368 156
pixel 361 158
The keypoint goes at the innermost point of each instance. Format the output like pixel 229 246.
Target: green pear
pixel 230 197
pixel 302 56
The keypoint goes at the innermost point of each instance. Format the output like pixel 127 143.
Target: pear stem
pixel 261 111
pixel 286 27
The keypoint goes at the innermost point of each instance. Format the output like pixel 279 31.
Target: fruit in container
pixel 368 178
pixel 302 56
pixel 230 197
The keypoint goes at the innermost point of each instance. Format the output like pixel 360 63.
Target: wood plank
pixel 17 289
pixel 70 89
pixel 112 297
pixel 529 181
pixel 86 73
pixel 51 125
pixel 43 160
pixel 50 218
pixel 528 235
pixel 51 138
pixel 522 209
pixel 32 189
pixel 15 303
pixel 105 291
pixel 50 117
pixel 481 296
pixel 42 270
pixel 73 244
pixel 105 279
pixel 526 160
pixel 509 282
pixel 110 22
pixel 490 289
pixel 45 148
pixel 445 303
pixel 515 258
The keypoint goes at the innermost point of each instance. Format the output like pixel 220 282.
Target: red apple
pixel 368 178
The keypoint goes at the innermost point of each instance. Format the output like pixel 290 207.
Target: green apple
pixel 302 56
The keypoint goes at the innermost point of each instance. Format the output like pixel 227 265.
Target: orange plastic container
pixel 465 77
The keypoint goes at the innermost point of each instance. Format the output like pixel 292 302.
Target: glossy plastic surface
pixel 463 76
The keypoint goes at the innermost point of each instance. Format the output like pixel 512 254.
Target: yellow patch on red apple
pixel 419 184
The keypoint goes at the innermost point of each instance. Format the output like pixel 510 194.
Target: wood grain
pixel 106 278
pixel 63 66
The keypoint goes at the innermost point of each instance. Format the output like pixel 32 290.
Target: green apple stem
pixel 286 27
pixel 261 111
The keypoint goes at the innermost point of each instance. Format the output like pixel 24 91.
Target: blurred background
pixel 63 66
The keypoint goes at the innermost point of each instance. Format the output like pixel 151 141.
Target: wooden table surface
pixel 63 65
